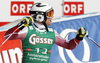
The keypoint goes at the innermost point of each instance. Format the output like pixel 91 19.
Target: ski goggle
pixel 50 13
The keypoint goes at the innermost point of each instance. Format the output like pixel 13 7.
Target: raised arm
pixel 21 27
pixel 71 44
pixel 16 33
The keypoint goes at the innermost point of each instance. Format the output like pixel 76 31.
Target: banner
pixel 86 51
pixel 73 8
pixel 11 50
pixel 17 9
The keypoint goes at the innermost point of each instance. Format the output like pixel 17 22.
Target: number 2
pixel 45 52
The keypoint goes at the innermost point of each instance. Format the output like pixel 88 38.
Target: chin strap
pixel 45 26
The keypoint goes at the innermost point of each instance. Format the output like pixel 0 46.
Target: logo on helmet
pixel 39 5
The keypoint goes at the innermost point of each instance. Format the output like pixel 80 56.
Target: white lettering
pixel 73 8
pixel 80 8
pixel 15 8
pixel 45 40
pixel 37 50
pixel 28 7
pixel 50 41
pixel 10 56
pixel 22 8
pixel 68 8
pixel 1 60
pixel 5 56
pixel 41 40
pixel 35 39
pixel 32 40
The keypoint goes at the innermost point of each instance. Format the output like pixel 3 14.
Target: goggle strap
pixel 45 26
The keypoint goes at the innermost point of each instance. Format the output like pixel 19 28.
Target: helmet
pixel 41 11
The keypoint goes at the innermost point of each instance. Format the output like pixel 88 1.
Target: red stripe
pixel 78 41
pixel 3 23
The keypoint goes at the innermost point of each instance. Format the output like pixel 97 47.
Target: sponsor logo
pixel 20 8
pixel 36 39
pixel 73 8
pixel 11 56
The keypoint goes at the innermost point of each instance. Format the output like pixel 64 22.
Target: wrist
pixel 79 38
pixel 20 26
pixel 78 41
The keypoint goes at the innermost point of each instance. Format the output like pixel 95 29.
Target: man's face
pixel 49 17
pixel 49 21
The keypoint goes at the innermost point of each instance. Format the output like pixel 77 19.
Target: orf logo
pixel 73 8
pixel 20 7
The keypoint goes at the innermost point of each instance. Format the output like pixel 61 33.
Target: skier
pixel 38 38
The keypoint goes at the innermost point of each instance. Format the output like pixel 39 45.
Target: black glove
pixel 82 32
pixel 25 22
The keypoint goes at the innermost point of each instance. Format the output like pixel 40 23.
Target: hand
pixel 27 20
pixel 82 32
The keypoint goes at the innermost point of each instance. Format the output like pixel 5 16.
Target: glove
pixel 25 22
pixel 82 32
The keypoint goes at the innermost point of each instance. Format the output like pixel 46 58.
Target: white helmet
pixel 41 11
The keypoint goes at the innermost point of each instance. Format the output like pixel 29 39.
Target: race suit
pixel 37 42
